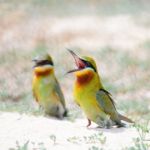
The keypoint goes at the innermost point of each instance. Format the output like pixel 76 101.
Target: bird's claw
pixel 89 123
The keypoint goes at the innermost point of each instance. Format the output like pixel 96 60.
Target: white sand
pixel 22 128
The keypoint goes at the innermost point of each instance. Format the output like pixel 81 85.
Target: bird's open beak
pixel 34 60
pixel 78 61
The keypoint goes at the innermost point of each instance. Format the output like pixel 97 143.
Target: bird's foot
pixel 89 123
pixel 121 125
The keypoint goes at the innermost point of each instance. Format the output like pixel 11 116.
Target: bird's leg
pixel 120 124
pixel 89 123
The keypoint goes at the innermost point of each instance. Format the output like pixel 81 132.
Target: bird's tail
pixel 121 117
pixel 65 113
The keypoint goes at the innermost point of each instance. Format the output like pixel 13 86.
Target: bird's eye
pixel 88 64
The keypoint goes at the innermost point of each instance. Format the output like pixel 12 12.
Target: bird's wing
pixel 34 94
pixel 60 94
pixel 107 104
pixel 105 101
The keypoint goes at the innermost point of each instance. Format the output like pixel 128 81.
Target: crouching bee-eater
pixel 46 88
pixel 91 96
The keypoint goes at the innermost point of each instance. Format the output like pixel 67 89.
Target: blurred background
pixel 115 32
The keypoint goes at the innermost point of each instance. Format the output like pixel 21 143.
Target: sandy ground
pixel 64 134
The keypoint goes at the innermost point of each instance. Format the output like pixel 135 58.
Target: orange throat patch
pixel 43 72
pixel 84 79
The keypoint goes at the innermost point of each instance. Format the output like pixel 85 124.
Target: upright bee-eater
pixel 91 96
pixel 46 89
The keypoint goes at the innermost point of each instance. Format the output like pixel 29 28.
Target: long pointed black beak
pixel 34 60
pixel 72 53
pixel 76 58
pixel 79 62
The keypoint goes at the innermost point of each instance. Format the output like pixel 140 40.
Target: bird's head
pixel 43 64
pixel 83 64
pixel 86 66
pixel 86 72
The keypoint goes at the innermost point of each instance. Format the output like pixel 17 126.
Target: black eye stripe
pixel 44 62
pixel 88 64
